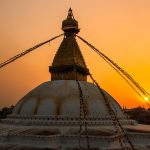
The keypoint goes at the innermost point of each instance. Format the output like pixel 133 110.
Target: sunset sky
pixel 119 28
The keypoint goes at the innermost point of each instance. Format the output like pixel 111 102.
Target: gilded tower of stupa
pixel 68 63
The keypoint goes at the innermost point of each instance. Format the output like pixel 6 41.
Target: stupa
pixel 51 117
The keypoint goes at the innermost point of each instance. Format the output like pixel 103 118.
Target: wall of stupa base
pixel 65 143
pixel 69 76
pixel 60 143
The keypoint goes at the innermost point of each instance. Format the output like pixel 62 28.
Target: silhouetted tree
pixel 6 111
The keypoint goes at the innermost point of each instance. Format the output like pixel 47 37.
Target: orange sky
pixel 119 28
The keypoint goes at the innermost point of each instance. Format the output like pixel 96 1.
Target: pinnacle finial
pixel 70 13
pixel 70 25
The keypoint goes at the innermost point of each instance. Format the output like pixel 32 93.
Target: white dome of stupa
pixel 61 97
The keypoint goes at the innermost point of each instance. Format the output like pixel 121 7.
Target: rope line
pixel 84 114
pixel 120 71
pixel 113 115
pixel 128 81
pixel 83 111
pixel 12 59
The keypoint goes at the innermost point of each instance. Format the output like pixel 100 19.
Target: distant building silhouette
pixel 139 114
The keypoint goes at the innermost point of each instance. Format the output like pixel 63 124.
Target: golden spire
pixel 68 63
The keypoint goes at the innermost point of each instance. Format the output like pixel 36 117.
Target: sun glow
pixel 146 99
